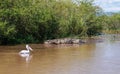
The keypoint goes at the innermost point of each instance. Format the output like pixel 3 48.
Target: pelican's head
pixel 28 47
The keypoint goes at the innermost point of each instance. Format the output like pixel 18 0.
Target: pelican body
pixel 26 51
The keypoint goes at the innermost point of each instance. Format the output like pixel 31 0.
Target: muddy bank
pixel 65 41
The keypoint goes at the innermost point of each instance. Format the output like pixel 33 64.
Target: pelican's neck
pixel 28 50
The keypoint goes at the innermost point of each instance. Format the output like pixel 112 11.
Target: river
pixel 98 56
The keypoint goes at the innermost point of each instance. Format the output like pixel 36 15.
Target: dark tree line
pixel 33 21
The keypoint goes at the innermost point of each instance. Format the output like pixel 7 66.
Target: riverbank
pixel 73 40
pixel 65 41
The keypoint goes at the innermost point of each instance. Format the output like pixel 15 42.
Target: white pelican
pixel 26 51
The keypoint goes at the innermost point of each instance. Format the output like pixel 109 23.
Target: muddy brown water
pixel 102 57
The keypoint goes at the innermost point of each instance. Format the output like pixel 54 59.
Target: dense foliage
pixel 33 21
pixel 113 23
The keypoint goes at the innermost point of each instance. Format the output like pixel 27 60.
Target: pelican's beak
pixel 31 49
